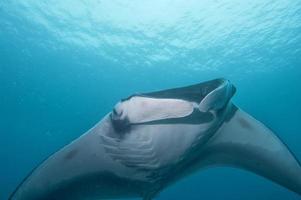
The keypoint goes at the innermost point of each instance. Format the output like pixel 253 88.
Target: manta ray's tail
pixel 244 142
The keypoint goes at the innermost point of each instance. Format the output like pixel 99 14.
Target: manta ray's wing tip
pixel 244 142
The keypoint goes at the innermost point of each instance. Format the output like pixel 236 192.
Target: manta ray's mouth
pixel 187 105
pixel 193 93
pixel 196 117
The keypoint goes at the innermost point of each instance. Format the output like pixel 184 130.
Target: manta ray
pixel 150 140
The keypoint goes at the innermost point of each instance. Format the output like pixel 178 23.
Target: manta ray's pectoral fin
pixel 244 142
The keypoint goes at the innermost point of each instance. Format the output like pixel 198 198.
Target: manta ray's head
pixel 173 105
pixel 174 120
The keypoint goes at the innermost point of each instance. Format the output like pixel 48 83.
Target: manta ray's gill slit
pixel 136 153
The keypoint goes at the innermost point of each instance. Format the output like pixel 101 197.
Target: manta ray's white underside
pixel 153 139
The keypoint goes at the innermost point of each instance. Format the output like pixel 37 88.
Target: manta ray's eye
pixel 115 112
pixel 120 124
pixel 119 121
pixel 114 115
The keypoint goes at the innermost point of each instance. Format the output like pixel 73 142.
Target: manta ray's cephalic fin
pixel 246 143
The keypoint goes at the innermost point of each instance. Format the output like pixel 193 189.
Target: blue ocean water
pixel 64 64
